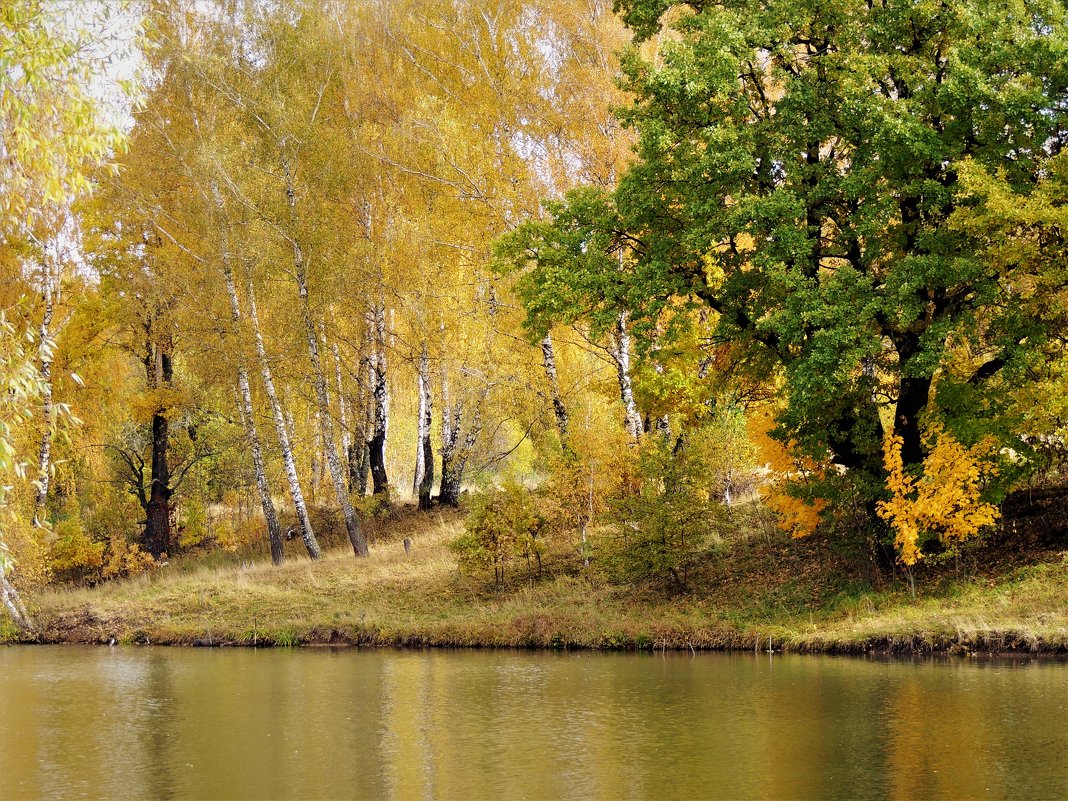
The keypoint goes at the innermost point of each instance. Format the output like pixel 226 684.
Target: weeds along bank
pixel 764 590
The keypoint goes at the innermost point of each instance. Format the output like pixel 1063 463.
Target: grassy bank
pixel 794 595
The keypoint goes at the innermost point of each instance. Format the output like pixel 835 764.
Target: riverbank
pixel 791 595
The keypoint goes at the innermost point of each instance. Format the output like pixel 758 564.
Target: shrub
pixel 504 523
pixel 945 504
pixel 74 555
pixel 125 559
pixel 660 529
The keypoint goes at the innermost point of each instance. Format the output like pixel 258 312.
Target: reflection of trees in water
pixel 129 723
pixel 161 717
pixel 407 748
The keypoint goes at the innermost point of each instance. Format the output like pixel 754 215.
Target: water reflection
pixel 129 723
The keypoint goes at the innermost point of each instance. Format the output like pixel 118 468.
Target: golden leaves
pixel 799 516
pixel 945 501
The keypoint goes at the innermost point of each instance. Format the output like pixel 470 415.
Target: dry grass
pixel 779 592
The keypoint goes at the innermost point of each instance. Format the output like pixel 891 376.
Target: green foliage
pixel 825 179
pixel 670 518
pixel 504 524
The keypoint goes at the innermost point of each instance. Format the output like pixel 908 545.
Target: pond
pixel 159 723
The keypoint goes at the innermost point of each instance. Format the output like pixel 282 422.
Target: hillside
pixel 794 595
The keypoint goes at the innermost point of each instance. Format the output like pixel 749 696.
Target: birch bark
pixel 548 356
pixel 248 419
pixel 44 365
pixel 620 350
pixel 326 418
pixel 424 451
pixel 307 533
pixel 379 419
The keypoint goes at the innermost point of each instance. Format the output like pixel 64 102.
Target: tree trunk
pixel 454 454
pixel 452 468
pixel 10 597
pixel 424 450
pixel 248 419
pixel 358 453
pixel 620 350
pixel 318 450
pixel 448 489
pixel 359 466
pixel 270 515
pixel 158 514
pixel 44 365
pixel 326 418
pixel 913 395
pixel 307 533
pixel 379 406
pixel 342 407
pixel 559 409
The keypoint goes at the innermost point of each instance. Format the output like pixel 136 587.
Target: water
pixel 157 723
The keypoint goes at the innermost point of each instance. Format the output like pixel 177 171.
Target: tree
pixel 23 384
pixel 802 170
pixel 51 137
pixel 52 133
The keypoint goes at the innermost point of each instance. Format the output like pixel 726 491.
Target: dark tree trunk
pixel 426 486
pixel 451 476
pixel 454 452
pixel 157 538
pixel 424 462
pixel 913 395
pixel 358 459
pixel 449 488
pixel 380 402
pixel 377 460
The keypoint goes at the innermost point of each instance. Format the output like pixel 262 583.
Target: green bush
pixel 503 524
pixel 669 517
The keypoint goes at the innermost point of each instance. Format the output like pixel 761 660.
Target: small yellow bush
pixel 945 501
pixel 125 559
pixel 72 553
pixel 798 516
pixel 240 535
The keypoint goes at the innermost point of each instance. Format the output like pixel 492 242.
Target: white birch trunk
pixel 10 597
pixel 326 419
pixel 620 350
pixel 44 365
pixel 248 418
pixel 548 357
pixel 378 429
pixel 424 450
pixel 282 431
pixel 317 454
pixel 342 403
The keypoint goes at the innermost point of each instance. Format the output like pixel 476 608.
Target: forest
pixel 649 303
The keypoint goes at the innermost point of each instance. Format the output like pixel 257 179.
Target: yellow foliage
pixel 125 559
pixel 24 546
pixel 163 400
pixel 237 535
pixel 945 500
pixel 73 552
pixel 796 515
